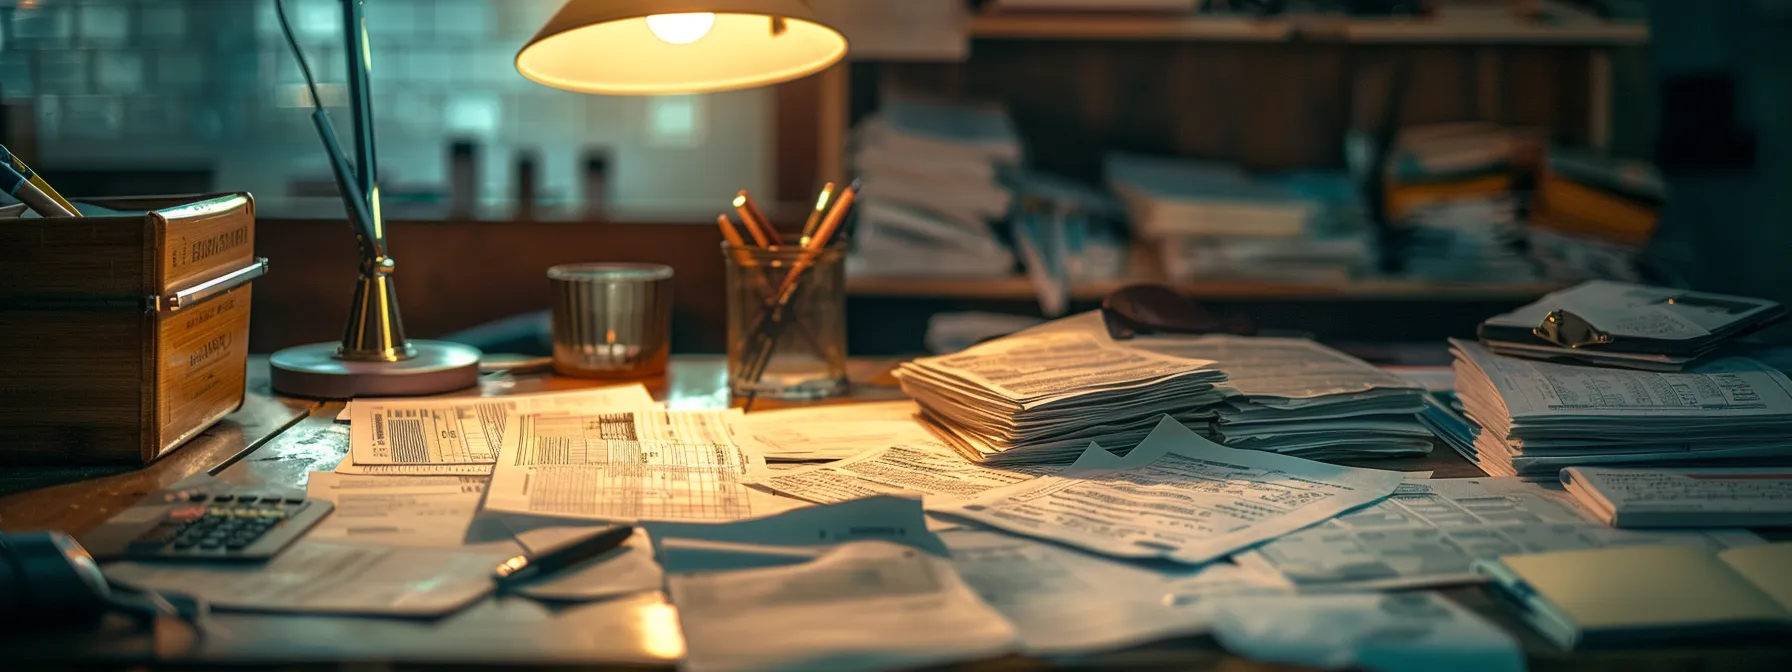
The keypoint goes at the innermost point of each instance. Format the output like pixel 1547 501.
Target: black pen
pixel 526 566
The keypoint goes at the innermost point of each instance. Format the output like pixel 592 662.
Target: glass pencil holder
pixel 786 321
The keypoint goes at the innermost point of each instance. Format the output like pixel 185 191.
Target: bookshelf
pixel 1019 288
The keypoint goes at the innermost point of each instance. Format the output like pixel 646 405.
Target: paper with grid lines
pixel 631 466
pixel 463 430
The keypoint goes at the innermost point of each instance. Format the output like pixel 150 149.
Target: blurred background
pixel 1365 172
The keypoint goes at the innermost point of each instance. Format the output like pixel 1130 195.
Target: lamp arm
pixel 373 245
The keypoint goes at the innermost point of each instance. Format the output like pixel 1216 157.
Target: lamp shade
pixel 649 47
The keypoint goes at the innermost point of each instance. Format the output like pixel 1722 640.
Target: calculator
pixel 204 518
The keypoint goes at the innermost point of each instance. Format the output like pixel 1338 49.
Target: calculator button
pixel 211 544
pixel 224 498
pixel 247 499
pixel 184 544
pixel 197 497
pixel 295 500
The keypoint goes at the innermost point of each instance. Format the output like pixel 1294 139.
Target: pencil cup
pixel 611 320
pixel 786 321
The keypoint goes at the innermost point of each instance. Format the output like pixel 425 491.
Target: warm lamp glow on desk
pixel 617 47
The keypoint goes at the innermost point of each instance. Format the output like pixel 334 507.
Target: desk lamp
pixel 618 47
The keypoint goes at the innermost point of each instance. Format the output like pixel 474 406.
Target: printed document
pixel 832 432
pixel 629 466
pixel 1401 632
pixel 1036 369
pixel 1730 388
pixel 464 430
pixel 1280 368
pixel 924 467
pixel 1431 532
pixel 865 606
pixel 1063 601
pixel 323 578
pixel 1631 498
pixel 1191 500
pixel 413 511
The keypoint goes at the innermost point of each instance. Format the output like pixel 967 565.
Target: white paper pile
pixel 1302 398
pixel 1537 418
pixel 1040 396
pixel 929 188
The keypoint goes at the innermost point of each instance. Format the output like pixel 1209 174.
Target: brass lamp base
pixel 314 371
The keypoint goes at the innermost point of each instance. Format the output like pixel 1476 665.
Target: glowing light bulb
pixel 681 28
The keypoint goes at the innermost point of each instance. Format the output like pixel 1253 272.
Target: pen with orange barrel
pixel 764 234
pixel 737 246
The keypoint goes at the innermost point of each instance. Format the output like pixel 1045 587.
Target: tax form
pixel 463 430
pixel 924 467
pixel 1063 601
pixel 629 466
pixel 1430 532
pixel 410 511
pixel 833 432
pixel 868 605
pixel 1179 497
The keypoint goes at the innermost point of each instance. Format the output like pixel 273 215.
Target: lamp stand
pixel 374 358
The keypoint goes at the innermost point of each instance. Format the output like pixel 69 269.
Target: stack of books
pixel 1440 163
pixel 1592 214
pixel 1041 396
pixel 1298 397
pixel 929 173
pixel 1536 418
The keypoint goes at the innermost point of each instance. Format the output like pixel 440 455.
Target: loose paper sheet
pixel 464 430
pixel 924 467
pixel 1063 601
pixel 832 432
pixel 865 606
pixel 411 511
pixel 324 578
pixel 1034 369
pixel 1190 501
pixel 641 465
pixel 890 518
pixel 1403 632
pixel 1431 532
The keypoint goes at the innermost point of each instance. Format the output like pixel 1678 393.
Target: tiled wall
pixel 146 83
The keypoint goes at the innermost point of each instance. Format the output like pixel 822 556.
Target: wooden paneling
pixel 453 275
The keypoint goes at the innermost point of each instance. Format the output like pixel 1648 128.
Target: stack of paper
pixel 929 190
pixel 1302 398
pixel 1537 418
pixel 1632 326
pixel 1469 240
pixel 1042 395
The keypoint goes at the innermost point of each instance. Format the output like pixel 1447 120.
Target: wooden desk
pixel 280 441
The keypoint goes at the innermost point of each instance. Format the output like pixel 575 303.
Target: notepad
pixel 1618 595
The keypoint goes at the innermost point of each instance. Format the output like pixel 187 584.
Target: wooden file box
pixel 123 336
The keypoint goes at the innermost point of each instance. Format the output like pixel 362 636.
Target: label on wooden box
pixel 206 239
pixel 204 354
